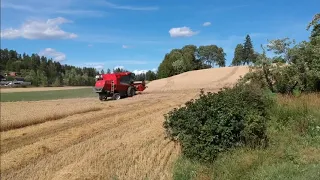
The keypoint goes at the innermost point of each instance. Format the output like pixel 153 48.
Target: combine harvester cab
pixel 117 85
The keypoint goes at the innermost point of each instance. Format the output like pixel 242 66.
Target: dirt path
pixel 125 140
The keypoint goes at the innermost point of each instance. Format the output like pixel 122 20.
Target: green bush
pixel 216 122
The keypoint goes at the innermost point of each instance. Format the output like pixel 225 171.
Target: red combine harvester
pixel 117 85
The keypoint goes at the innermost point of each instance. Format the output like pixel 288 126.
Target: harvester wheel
pixel 102 97
pixel 131 92
pixel 116 96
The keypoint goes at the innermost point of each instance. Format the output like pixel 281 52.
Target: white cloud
pixel 115 6
pixel 116 67
pixel 16 7
pixel 182 32
pixel 98 66
pixel 207 24
pixel 125 46
pixel 39 30
pixel 143 71
pixel 51 7
pixel 52 53
pixel 140 71
pixel 129 62
pixel 79 12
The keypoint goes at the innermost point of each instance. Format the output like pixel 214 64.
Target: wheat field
pixel 89 139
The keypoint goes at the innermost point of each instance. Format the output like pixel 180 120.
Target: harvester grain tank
pixel 117 85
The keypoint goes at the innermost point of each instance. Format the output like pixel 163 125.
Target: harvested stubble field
pixel 89 139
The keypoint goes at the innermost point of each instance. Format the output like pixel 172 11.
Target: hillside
pixel 213 78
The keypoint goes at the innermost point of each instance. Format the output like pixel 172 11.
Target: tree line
pixel 191 57
pixel 42 71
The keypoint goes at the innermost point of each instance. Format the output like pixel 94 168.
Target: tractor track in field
pixel 71 147
pixel 96 120
pixel 28 136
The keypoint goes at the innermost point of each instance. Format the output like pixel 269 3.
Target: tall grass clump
pixel 216 122
pixel 299 114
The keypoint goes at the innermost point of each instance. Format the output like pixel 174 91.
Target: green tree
pixel 211 55
pixel 166 68
pixel 281 47
pixel 150 76
pixel 57 82
pixel 9 65
pixel 249 55
pixel 315 33
pixel 33 78
pixel 189 57
pixel 108 71
pixel 118 69
pixel 238 55
pixel 43 79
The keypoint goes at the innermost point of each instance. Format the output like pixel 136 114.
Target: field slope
pixel 118 140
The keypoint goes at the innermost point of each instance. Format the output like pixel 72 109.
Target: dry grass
pixel 9 125
pixel 21 114
pixel 312 99
pixel 123 140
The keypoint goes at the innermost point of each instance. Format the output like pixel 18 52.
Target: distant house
pixel 19 79
pixel 13 74
pixel 2 78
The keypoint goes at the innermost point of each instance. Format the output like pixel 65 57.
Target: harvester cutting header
pixel 117 85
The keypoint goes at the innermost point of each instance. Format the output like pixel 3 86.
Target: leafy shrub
pixel 219 121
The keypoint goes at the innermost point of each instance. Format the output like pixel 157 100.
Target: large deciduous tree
pixel 238 55
pixel 211 55
pixel 190 58
pixel 281 47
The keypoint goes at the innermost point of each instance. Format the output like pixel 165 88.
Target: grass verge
pixel 293 151
pixel 47 95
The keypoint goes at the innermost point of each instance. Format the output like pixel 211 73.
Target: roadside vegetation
pixel 265 127
pixel 293 151
pixel 47 95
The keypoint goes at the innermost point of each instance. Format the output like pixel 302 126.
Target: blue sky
pixel 138 34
